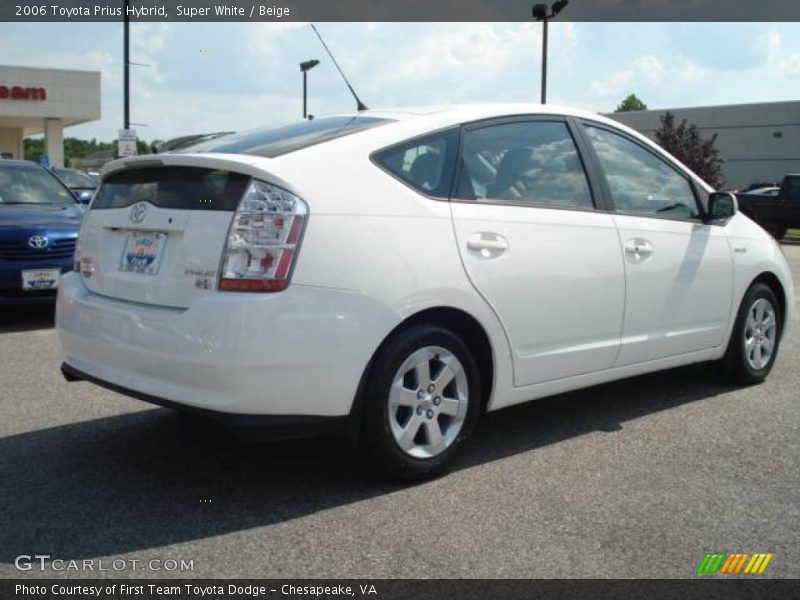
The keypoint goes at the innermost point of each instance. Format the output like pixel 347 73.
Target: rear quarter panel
pixel 370 233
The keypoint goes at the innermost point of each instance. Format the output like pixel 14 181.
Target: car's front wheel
pixel 422 402
pixel 778 232
pixel 756 336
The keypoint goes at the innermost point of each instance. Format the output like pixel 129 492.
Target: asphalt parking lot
pixel 637 478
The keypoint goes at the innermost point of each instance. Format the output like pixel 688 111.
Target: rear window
pixel 275 142
pixel 75 179
pixel 190 188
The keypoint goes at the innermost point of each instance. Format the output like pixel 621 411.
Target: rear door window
pixel 189 188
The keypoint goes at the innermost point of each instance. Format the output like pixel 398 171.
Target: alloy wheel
pixel 760 333
pixel 428 402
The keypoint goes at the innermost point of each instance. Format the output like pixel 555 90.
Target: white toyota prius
pixel 391 275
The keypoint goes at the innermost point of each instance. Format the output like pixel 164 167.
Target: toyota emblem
pixel 138 211
pixel 38 241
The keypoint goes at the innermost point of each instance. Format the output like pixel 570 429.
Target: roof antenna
pixel 359 104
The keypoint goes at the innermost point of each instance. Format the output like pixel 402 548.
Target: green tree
pixel 33 148
pixel 77 148
pixel 685 143
pixel 631 103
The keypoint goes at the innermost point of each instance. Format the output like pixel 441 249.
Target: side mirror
pixel 722 205
pixel 83 197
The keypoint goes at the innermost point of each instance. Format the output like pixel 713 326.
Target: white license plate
pixel 40 279
pixel 143 252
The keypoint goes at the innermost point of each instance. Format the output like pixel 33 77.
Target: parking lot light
pixel 305 67
pixel 543 13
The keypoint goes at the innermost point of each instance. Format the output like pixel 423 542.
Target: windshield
pixel 75 179
pixel 274 142
pixel 30 184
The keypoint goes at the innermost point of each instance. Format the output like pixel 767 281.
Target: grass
pixel 793 233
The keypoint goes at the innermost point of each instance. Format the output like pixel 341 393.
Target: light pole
pixel 305 67
pixel 543 13
pixel 126 86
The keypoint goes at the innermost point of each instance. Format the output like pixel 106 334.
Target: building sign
pixel 127 143
pixel 17 92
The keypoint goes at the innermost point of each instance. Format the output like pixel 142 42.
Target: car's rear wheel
pixel 422 403
pixel 756 336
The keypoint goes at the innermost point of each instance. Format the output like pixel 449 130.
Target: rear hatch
pixel 156 230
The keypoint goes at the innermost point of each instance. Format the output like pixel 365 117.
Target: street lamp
pixel 305 67
pixel 543 13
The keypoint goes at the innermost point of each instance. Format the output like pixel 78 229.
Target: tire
pixel 412 428
pixel 746 361
pixel 778 232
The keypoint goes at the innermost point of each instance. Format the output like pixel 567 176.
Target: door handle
pixel 638 248
pixel 496 245
pixel 487 245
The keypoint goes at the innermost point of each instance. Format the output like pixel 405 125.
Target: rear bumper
pixel 298 353
pixel 249 427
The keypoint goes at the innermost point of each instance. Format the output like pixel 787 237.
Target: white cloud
pixel 690 71
pixel 772 42
pixel 462 47
pixel 647 73
pixel 790 66
pixel 148 40
pixel 651 69
pixel 614 84
pixel 264 38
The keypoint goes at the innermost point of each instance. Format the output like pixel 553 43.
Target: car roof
pixel 19 163
pixel 408 121
pixel 457 113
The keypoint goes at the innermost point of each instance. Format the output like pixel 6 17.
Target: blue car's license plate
pixel 40 279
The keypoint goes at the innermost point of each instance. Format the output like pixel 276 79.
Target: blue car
pixel 39 221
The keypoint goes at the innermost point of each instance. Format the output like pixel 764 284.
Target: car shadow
pixel 153 478
pixel 28 317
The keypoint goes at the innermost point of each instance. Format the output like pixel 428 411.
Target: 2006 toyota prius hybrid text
pixel 391 275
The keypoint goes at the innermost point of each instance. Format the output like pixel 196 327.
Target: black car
pixel 778 213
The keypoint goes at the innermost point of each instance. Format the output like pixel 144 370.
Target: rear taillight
pixel 263 240
pixel 83 263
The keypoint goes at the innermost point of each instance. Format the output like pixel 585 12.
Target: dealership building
pixel 757 142
pixel 35 101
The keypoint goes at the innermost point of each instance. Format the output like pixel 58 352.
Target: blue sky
pixel 233 76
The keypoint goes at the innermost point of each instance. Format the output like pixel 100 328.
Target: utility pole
pixel 544 62
pixel 126 66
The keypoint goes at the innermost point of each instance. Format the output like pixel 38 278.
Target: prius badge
pixel 138 212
